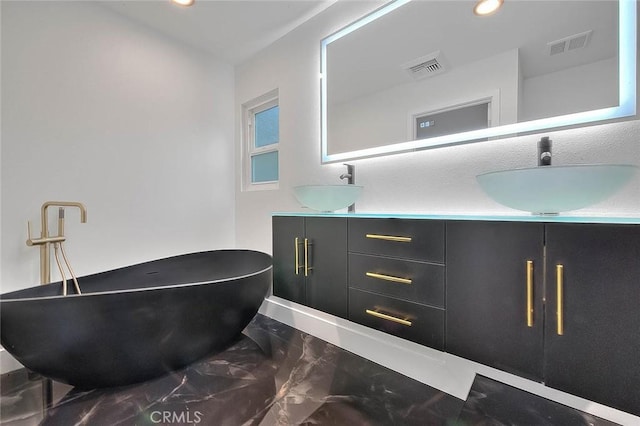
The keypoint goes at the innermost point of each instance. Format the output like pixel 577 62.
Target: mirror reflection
pixel 428 70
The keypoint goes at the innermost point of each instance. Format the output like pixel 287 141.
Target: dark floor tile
pixel 230 388
pixel 263 329
pixel 275 375
pixel 341 412
pixel 390 397
pixel 494 403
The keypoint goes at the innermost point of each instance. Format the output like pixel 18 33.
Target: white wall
pixel 101 110
pixel 432 181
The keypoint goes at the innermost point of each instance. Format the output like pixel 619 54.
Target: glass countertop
pixel 635 220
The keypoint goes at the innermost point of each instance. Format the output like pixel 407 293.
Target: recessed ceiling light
pixel 183 2
pixel 487 7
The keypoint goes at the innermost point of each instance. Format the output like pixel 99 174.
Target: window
pixel 262 135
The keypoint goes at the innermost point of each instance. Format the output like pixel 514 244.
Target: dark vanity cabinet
pixel 558 303
pixel 554 302
pixel 310 262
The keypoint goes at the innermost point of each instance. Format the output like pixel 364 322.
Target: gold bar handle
pixel 389 238
pixel 389 278
pixel 529 293
pixel 307 268
pixel 388 317
pixel 297 255
pixel 560 297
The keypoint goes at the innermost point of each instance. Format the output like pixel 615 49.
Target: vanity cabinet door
pixel 595 352
pixel 288 279
pixel 310 262
pixel 493 269
pixel 326 281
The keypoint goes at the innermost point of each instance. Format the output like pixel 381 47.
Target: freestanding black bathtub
pixel 137 322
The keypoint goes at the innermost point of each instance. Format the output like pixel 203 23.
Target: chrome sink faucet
pixel 350 176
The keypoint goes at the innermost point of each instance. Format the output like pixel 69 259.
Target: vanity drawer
pixel 404 238
pixel 418 323
pixel 403 279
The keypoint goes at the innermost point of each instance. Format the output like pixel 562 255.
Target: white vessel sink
pixel 555 189
pixel 327 198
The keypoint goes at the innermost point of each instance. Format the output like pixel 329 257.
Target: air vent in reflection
pixel 425 66
pixel 576 41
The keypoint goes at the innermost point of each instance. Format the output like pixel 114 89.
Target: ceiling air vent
pixel 425 66
pixel 576 41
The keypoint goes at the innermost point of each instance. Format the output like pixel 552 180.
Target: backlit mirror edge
pixel 627 37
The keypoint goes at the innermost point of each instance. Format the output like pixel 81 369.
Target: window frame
pixel 250 110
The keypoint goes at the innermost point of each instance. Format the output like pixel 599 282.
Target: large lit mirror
pixel 426 73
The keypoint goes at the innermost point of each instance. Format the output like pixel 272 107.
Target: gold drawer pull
pixel 389 238
pixel 560 296
pixel 388 317
pixel 529 293
pixel 389 278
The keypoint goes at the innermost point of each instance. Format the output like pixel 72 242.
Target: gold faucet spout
pixel 47 204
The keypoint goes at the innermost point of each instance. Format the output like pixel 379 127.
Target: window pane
pixel 267 128
pixel 264 167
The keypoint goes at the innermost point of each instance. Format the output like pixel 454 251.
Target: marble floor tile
pixel 272 375
pixel 496 404
pixel 275 375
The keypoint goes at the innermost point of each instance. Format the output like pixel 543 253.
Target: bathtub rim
pixel 135 290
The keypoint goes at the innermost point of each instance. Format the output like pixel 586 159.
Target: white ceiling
pixel 230 30
pixel 234 30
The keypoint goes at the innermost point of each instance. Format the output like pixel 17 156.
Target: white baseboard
pixel 446 372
